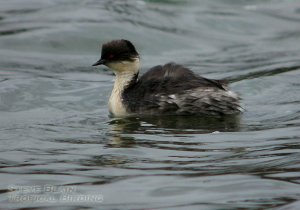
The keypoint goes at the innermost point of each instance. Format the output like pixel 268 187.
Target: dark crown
pixel 118 50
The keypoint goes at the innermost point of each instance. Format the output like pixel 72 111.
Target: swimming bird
pixel 169 89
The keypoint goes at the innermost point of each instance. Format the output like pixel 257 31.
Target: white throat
pixel 125 71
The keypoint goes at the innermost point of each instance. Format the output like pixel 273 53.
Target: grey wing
pixel 201 101
pixel 175 89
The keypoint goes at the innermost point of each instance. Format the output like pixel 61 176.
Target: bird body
pixel 169 89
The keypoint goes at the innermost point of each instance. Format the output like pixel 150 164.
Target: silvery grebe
pixel 170 89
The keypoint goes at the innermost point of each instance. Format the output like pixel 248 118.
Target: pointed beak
pixel 99 62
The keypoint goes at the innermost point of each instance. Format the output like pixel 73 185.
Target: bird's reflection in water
pixel 121 128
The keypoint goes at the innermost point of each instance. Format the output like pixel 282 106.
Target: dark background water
pixel 54 124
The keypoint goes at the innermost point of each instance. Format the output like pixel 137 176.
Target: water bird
pixel 169 89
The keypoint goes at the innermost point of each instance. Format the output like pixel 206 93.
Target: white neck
pixel 125 71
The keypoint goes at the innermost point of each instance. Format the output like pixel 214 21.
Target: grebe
pixel 170 89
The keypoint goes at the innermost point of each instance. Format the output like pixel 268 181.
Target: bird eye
pixel 110 56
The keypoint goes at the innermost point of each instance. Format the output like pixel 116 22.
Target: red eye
pixel 110 56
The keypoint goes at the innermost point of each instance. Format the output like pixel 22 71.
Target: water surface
pixel 54 125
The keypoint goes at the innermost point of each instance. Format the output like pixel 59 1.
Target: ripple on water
pixel 54 124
